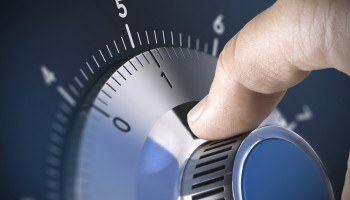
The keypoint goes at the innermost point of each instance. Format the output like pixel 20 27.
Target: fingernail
pixel 196 111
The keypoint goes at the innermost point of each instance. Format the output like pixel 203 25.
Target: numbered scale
pixel 95 96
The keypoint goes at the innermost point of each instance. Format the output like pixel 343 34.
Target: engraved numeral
pixel 49 76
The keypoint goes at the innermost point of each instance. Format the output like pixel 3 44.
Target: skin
pixel 273 52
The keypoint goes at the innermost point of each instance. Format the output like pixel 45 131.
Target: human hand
pixel 273 52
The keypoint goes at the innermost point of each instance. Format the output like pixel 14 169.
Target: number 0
pixel 121 124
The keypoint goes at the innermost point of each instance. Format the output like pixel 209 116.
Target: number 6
pixel 218 25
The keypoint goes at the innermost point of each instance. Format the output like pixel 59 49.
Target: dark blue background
pixel 63 34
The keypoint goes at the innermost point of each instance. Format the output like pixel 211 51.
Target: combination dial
pixel 95 96
pixel 132 128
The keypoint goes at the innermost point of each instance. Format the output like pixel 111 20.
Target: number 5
pixel 121 6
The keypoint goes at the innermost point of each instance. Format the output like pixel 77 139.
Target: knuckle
pixel 313 32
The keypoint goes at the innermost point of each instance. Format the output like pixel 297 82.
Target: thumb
pixel 274 51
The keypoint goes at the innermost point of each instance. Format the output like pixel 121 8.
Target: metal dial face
pixel 57 56
pixel 124 121
pixel 134 144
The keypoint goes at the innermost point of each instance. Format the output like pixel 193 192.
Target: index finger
pixel 273 52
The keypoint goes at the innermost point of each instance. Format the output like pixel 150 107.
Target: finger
pixel 346 188
pixel 272 53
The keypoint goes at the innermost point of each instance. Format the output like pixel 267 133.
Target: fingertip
pixel 196 124
pixel 211 120
pixel 196 111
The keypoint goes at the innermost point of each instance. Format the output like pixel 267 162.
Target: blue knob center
pixel 278 169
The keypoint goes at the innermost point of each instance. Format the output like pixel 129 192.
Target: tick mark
pixel 116 80
pixel 146 58
pixel 133 65
pixel 215 46
pixel 160 54
pixel 180 39
pixel 154 59
pixel 127 69
pixel 103 57
pixel 66 95
pixel 83 73
pixel 115 44
pixel 139 61
pixel 172 38
pixel 197 55
pixel 103 102
pixel 163 37
pixel 65 108
pixel 188 50
pixel 74 90
pixel 104 92
pixel 138 35
pixel 166 50
pixel 123 42
pixel 182 52
pixel 95 61
pixel 174 52
pixel 101 111
pixel 110 53
pixel 92 72
pixel 130 36
pixel 155 36
pixel 111 87
pixel 53 161
pixel 121 75
pixel 147 37
pixel 60 117
pixel 78 82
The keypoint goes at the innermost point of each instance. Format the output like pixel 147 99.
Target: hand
pixel 273 52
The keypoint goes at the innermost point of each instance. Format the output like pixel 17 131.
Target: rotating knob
pixel 270 163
